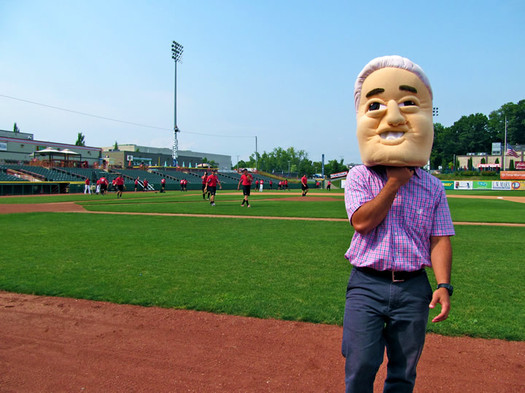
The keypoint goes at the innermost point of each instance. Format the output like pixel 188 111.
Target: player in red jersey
pixel 211 186
pixel 246 180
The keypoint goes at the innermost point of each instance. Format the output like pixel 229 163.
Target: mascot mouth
pixel 391 135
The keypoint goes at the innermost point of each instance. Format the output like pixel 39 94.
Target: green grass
pixel 292 270
pixel 486 210
pixel 263 268
pixel 228 205
pixel 488 278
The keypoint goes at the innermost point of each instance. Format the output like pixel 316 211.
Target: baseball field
pixel 163 292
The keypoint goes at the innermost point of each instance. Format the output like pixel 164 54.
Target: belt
pixel 398 276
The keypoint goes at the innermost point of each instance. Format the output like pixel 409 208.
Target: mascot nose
pixel 394 117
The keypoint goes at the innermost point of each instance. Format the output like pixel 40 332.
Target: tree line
pixel 476 133
pixel 290 162
pixel 470 134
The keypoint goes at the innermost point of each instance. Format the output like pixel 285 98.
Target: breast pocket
pixel 419 218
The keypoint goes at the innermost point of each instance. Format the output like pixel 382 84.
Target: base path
pixel 66 345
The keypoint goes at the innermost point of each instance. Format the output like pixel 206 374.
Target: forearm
pixel 373 212
pixel 441 257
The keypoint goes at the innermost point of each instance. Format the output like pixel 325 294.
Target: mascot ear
pixel 393 101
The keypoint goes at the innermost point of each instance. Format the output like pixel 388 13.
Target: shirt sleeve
pixel 442 225
pixel 357 191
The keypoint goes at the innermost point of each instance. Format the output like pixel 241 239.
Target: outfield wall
pixel 495 185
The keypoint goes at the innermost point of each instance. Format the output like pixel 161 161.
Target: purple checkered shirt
pixel 402 241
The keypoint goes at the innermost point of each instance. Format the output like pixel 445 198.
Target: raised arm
pixel 373 212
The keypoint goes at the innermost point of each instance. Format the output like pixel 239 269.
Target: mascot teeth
pixel 390 135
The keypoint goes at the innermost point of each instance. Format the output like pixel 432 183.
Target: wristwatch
pixel 449 287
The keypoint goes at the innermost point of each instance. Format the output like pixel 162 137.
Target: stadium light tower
pixel 176 54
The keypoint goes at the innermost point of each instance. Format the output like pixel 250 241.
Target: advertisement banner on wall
pixel 481 185
pixel 338 175
pixel 518 185
pixel 462 185
pixel 3 146
pixel 501 185
pixel 448 184
pixel 512 175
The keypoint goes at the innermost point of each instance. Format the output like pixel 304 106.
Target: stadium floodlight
pixel 176 54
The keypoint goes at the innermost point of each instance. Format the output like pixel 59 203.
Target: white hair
pixel 393 61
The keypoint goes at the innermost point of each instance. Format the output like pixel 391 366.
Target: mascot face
pixel 394 119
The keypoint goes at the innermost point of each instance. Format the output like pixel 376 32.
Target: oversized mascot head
pixel 393 101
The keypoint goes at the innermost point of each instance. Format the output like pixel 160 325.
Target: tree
pixel 472 134
pixel 16 130
pixel 115 147
pixel 80 140
pixel 515 114
pixel 333 166
pixel 444 146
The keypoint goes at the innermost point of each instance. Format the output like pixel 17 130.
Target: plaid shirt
pixel 402 241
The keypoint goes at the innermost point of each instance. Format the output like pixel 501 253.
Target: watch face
pixel 449 288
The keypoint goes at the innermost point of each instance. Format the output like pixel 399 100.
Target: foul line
pixel 503 224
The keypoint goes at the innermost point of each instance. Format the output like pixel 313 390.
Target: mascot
pixel 402 226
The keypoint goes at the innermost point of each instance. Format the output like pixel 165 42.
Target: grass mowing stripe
pixel 486 210
pixel 272 208
pixel 471 210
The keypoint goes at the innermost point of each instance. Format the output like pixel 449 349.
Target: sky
pixel 254 74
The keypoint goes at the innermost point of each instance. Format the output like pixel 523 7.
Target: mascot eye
pixel 375 106
pixel 408 103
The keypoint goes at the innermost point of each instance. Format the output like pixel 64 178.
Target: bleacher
pixel 5 177
pixel 42 173
pixel 83 173
pixel 174 176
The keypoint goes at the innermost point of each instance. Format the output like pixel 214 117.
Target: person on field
pixel 246 181
pixel 104 183
pixel 402 225
pixel 304 185
pixel 87 186
pixel 145 185
pixel 163 185
pixel 119 184
pixel 204 178
pixel 211 186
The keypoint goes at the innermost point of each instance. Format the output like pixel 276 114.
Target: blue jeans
pixel 383 314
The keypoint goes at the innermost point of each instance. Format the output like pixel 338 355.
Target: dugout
pixel 36 188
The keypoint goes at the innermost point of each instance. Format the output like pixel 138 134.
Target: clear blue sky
pixel 281 70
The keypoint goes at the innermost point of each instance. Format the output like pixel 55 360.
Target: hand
pixel 441 296
pixel 399 175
